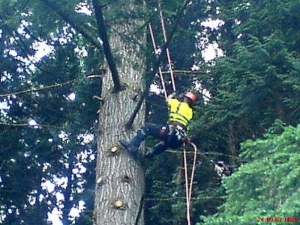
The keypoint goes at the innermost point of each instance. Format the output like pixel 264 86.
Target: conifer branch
pixel 39 89
pixel 67 18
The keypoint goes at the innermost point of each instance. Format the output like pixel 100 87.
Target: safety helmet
pixel 191 96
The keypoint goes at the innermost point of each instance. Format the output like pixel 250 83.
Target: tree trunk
pixel 119 178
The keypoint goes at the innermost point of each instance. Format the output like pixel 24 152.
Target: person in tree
pixel 173 134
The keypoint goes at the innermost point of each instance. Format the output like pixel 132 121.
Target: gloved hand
pixel 173 95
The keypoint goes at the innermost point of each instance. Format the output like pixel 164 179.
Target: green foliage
pixel 256 80
pixel 267 184
pixel 34 89
pixel 254 84
pixel 160 191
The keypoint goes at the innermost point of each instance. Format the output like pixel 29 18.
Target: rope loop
pixel 189 186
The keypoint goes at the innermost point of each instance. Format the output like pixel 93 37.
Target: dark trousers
pixel 164 133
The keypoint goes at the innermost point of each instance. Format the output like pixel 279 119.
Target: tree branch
pixel 156 65
pixel 39 89
pixel 106 46
pixel 102 33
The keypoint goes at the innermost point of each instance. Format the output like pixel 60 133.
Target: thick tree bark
pixel 119 179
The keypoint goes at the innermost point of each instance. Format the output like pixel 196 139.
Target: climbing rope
pixel 188 202
pixel 159 68
pixel 188 186
pixel 193 169
pixel 167 50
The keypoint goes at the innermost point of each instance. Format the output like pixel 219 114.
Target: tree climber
pixel 173 134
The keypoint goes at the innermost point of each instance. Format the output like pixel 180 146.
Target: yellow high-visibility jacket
pixel 179 112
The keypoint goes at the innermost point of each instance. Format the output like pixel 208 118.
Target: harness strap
pixel 176 131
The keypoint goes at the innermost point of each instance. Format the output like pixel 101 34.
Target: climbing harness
pixel 175 136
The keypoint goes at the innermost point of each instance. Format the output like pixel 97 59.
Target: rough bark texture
pixel 118 176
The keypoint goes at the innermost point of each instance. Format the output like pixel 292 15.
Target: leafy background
pixel 249 119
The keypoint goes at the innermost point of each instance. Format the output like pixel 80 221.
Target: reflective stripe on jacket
pixel 180 112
